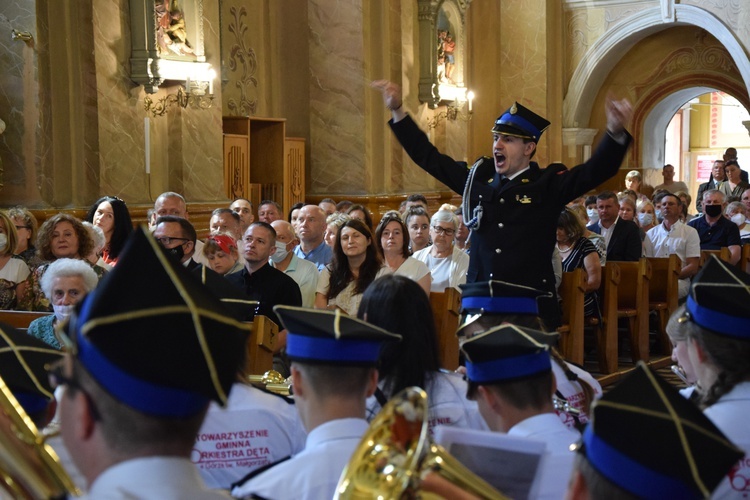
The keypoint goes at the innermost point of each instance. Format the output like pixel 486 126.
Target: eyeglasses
pixel 443 230
pixel 58 379
pixel 166 240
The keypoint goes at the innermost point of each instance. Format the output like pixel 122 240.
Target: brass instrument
pixel 397 452
pixel 28 467
pixel 272 381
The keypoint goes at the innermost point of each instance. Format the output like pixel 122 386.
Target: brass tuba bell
pixel 396 452
pixel 28 467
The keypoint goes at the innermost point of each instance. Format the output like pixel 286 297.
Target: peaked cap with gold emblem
pixel 652 442
pixel 331 337
pixel 520 121
pixel 23 362
pixel 719 299
pixel 154 337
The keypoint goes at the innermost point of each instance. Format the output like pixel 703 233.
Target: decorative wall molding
pixel 240 55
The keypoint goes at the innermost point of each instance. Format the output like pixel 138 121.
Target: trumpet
pixel 272 381
pixel 396 453
pixel 680 372
pixel 28 467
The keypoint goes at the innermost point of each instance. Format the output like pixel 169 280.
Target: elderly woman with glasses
pixel 26 227
pixel 393 241
pixel 447 264
pixel 66 282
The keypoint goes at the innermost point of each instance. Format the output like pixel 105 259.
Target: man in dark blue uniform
pixel 510 203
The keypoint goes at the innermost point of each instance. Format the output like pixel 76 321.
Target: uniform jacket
pixel 517 234
pixel 314 473
pixel 625 242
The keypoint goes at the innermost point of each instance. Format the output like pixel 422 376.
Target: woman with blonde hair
pixel 27 228
pixel 13 270
pixel 61 236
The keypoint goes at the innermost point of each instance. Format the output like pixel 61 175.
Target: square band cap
pixel 506 353
pixel 331 337
pixel 154 337
pixel 719 299
pixel 652 442
pixel 499 298
pixel 520 121
pixel 23 367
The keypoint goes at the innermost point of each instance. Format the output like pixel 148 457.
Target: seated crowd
pixel 351 297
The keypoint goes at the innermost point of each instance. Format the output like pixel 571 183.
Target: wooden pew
pixel 722 254
pixel 446 307
pixel 260 346
pixel 572 293
pixel 744 263
pixel 632 303
pixel 663 291
pixel 606 331
pixel 20 319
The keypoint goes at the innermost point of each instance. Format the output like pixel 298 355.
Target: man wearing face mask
pixel 65 283
pixel 304 272
pixel 673 236
pixel 715 230
pixel 177 236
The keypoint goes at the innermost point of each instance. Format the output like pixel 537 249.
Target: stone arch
pixel 607 51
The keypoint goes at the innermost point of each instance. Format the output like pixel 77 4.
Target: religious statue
pixel 171 30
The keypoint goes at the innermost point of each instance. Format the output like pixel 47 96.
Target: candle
pixel 470 95
pixel 211 77
pixel 187 85
pixel 147 143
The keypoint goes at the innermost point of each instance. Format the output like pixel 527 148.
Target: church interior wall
pixel 75 120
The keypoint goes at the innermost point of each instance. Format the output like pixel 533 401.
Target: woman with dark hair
pixel 111 214
pixel 577 251
pixel 356 263
pixel 395 304
pixel 294 214
pixel 61 236
pixel 393 241
pixel 716 322
pixel 361 213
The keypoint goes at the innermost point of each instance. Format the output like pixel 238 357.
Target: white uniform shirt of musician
pixel 335 426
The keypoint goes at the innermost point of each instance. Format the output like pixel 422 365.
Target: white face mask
pixel 645 219
pixel 3 241
pixel 659 216
pixel 738 219
pixel 62 312
pixel 593 215
pixel 280 253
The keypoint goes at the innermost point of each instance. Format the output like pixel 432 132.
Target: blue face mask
pixel 645 219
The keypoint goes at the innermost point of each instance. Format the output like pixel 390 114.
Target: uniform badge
pixel 513 109
pixel 524 181
pixel 523 200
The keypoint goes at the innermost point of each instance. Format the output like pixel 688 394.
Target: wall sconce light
pixel 198 93
pixel 454 111
pixel 24 36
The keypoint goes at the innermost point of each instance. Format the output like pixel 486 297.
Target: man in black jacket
pixel 622 236
pixel 513 238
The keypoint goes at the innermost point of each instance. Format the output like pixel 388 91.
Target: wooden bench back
pixel 634 282
pixel 260 346
pixel 744 263
pixel 571 332
pixel 663 285
pixel 20 319
pixel 446 308
pixel 722 254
